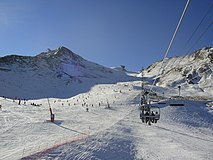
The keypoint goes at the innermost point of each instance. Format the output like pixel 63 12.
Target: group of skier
pixel 149 117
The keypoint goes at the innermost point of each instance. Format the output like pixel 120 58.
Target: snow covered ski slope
pixel 111 129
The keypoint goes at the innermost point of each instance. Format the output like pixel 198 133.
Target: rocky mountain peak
pixel 203 54
pixel 60 54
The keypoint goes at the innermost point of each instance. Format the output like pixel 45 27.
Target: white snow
pixel 192 72
pixel 104 133
pixel 111 129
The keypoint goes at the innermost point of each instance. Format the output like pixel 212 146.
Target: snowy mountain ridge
pixel 193 71
pixel 96 111
pixel 54 73
pixel 60 72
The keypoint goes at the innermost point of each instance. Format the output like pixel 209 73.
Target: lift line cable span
pixel 170 44
pixel 199 38
pixel 193 33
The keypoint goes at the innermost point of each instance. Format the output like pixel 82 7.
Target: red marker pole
pixel 52 116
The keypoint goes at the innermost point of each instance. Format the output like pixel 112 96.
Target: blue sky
pixel 134 33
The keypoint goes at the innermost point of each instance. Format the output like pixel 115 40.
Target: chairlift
pixel 149 114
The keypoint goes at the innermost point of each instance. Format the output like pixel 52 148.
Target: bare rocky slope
pixel 192 72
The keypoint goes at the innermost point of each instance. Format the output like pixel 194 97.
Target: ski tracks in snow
pixel 115 142
pixel 129 139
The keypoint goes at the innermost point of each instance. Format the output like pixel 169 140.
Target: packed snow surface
pixel 111 129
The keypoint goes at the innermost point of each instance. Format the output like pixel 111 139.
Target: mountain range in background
pixel 192 72
pixel 56 73
pixel 61 73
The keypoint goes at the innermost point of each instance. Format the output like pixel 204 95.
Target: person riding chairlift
pixel 153 119
pixel 147 118
pixel 142 115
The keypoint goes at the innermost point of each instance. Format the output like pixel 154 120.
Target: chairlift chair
pixel 150 114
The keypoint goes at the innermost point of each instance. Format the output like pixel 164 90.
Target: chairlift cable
pixel 202 34
pixel 198 25
pixel 171 42
pixel 176 30
pixel 205 15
